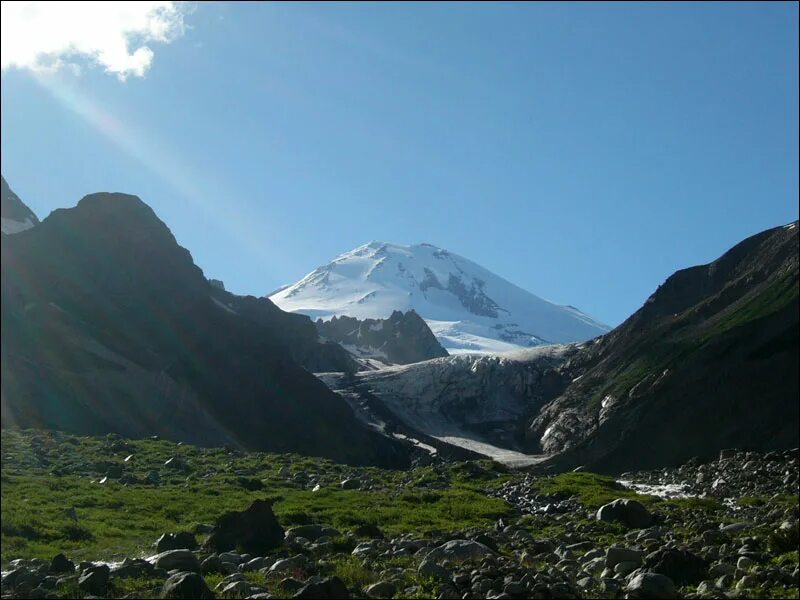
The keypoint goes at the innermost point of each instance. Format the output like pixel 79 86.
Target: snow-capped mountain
pixel 468 308
pixel 15 216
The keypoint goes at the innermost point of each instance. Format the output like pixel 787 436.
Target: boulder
pixel 626 567
pixel 681 566
pixel 94 580
pixel 176 463
pixel 369 531
pixel 365 550
pixel 614 556
pixel 186 585
pixel 175 541
pixel 211 564
pixel 327 589
pixel 628 512
pixel 289 564
pixel 382 589
pixel 237 589
pixel 290 585
pixel 429 568
pixel 310 532
pixel 460 550
pixel 651 586
pixel 183 560
pixel 133 568
pixel 61 564
pixel 10 578
pixel 484 539
pixel 228 580
pixel 230 557
pixel 255 530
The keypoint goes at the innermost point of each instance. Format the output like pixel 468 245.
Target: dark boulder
pixel 94 580
pixel 181 559
pixel 310 532
pixel 186 585
pixel 175 541
pixel 369 531
pixel 133 568
pixel 250 483
pixel 61 564
pixel 484 539
pixel 255 530
pixel 211 564
pixel 628 512
pixel 683 567
pixel 332 588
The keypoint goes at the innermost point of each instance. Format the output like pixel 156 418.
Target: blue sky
pixel 584 152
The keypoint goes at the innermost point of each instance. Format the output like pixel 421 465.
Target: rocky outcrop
pixel 400 339
pixel 108 326
pixel 297 333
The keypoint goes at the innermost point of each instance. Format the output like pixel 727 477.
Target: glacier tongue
pixel 468 308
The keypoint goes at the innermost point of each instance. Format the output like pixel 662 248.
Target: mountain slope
pixel 710 361
pixel 468 308
pixel 15 216
pixel 108 326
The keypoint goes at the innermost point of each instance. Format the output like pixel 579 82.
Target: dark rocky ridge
pixel 108 326
pixel 710 361
pixel 296 332
pixel 403 338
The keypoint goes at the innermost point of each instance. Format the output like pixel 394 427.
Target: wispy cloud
pixel 43 36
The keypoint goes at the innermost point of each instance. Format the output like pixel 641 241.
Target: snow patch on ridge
pixel 10 226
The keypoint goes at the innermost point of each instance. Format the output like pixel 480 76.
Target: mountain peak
pixel 14 213
pixel 117 205
pixel 467 307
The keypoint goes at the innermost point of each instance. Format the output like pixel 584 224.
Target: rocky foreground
pixel 727 528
